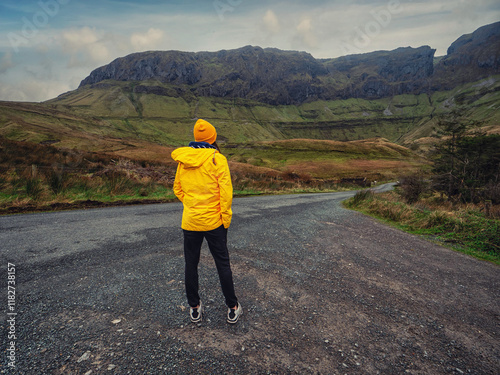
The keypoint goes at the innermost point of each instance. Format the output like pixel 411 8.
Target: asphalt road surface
pixel 324 291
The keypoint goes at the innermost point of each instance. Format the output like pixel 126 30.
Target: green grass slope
pixel 373 159
pixel 113 116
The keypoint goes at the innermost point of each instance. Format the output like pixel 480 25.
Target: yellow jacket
pixel 203 185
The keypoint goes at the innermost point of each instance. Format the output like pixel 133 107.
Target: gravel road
pixel 325 291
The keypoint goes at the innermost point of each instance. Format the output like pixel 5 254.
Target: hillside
pixel 277 77
pixel 271 76
pixel 255 94
pixel 471 57
pixel 112 119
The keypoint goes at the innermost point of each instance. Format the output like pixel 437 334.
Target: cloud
pixel 78 37
pixel 271 22
pixel 6 62
pixel 33 91
pixel 305 37
pixel 85 46
pixel 149 40
pixel 60 59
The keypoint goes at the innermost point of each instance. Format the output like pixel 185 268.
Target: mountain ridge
pixel 279 77
pixel 273 76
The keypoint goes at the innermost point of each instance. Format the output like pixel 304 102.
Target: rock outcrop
pixel 288 77
pixel 469 58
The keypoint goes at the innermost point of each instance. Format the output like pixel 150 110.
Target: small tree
pixel 453 129
pixel 464 163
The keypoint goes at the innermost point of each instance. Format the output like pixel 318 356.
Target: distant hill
pixel 271 76
pixel 279 77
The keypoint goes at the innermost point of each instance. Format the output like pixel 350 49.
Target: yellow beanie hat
pixel 204 132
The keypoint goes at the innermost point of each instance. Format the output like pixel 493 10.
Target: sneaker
pixel 196 314
pixel 234 314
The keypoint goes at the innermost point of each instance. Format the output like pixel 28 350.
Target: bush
pixel 296 177
pixel 465 165
pixel 56 178
pixel 361 196
pixel 33 188
pixel 436 219
pixel 411 188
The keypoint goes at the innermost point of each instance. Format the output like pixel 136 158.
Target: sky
pixel 47 47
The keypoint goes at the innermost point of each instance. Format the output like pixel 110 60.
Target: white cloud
pixel 84 46
pixel 80 37
pixel 33 91
pixel 271 22
pixel 152 39
pixel 305 37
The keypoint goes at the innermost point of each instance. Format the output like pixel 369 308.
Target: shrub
pixel 411 187
pixel 435 219
pixel 56 179
pixel 465 165
pixel 33 188
pixel 361 196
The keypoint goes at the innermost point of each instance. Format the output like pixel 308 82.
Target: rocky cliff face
pixel 287 77
pixel 168 67
pixel 383 73
pixel 470 57
pixel 267 75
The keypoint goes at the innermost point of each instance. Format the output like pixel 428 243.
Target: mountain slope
pixel 278 77
pixel 99 118
pixel 471 57
pixel 254 94
pixel 272 76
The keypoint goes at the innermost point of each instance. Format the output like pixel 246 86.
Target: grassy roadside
pixel 41 177
pixel 125 182
pixel 467 228
pixel 90 180
pixel 34 194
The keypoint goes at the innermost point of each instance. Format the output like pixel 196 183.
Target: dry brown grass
pixel 371 169
pixel 243 168
pixel 145 151
pixel 138 168
pixel 251 178
pixel 379 146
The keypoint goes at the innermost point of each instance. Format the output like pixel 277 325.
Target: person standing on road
pixel 203 185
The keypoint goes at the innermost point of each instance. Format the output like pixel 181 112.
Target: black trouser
pixel 217 243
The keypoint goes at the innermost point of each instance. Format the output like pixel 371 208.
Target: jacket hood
pixel 192 157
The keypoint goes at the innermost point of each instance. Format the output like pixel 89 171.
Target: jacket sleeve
pixel 177 184
pixel 226 194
